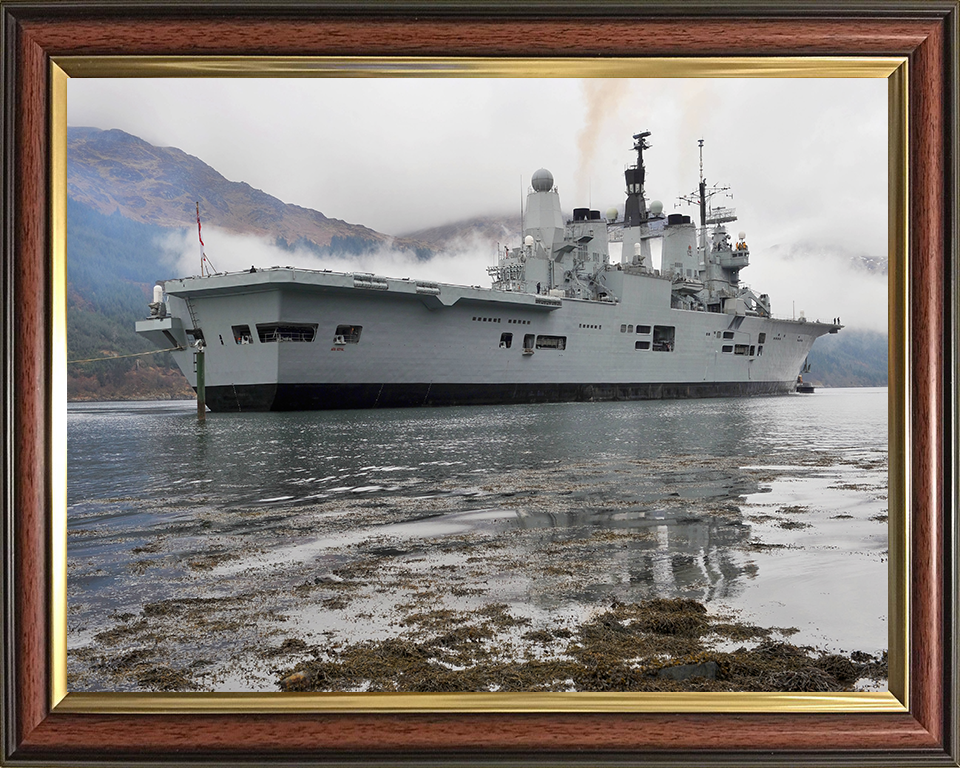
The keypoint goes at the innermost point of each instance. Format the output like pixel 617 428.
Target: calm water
pixel 774 507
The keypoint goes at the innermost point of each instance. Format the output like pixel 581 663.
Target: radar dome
pixel 542 180
pixel 742 235
pixel 528 240
pixel 612 214
pixel 656 208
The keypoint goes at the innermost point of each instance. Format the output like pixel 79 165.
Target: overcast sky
pixel 805 158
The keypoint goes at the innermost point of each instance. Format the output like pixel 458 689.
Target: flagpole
pixel 206 267
pixel 203 256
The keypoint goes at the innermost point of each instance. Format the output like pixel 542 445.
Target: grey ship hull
pixel 430 344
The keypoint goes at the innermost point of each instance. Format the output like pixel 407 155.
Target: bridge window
pixel 643 329
pixel 727 348
pixel 642 345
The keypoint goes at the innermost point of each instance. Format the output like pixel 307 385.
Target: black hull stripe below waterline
pixel 319 397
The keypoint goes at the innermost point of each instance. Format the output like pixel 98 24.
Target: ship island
pixel 561 321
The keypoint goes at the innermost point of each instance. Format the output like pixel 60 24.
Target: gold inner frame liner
pixel 892 68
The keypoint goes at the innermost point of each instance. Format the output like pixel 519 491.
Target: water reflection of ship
pixel 698 556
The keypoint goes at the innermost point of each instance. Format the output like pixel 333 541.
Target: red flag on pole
pixel 198 224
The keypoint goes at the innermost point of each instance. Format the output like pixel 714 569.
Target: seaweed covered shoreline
pixel 454 571
pixel 657 645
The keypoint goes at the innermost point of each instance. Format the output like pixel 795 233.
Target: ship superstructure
pixel 562 321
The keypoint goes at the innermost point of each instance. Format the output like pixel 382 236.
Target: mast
pixel 635 209
pixel 700 198
pixel 703 189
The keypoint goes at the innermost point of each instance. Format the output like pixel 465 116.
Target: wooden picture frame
pixel 40 728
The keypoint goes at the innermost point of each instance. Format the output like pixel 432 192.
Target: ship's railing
pixel 287 336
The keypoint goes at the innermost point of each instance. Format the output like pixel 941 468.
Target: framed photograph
pixel 48 46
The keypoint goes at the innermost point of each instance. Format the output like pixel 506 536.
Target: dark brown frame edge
pixel 924 31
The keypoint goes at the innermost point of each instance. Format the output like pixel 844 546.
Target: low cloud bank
pixel 464 263
pixel 820 281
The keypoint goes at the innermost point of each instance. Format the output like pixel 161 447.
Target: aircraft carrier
pixel 562 320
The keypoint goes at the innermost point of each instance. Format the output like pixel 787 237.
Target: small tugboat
pixel 804 389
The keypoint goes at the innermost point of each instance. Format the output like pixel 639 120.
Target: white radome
pixel 542 180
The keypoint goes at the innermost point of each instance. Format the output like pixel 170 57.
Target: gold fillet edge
pixel 893 68
pixel 360 703
pixel 57 367
pixel 898 392
pixel 305 66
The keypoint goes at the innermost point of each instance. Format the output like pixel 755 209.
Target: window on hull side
pixel 551 342
pixel 242 335
pixel 664 337
pixel 506 340
pixel 347 334
pixel 286 332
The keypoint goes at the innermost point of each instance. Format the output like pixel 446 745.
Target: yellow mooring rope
pixel 117 357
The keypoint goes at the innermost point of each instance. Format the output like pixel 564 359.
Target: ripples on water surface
pixel 773 507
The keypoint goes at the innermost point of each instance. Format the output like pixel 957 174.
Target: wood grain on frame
pixel 924 32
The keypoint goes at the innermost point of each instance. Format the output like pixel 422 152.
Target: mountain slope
pixel 114 172
pixel 851 358
pixel 503 229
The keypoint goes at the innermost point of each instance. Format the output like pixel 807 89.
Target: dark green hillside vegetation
pixel 851 358
pixel 112 265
